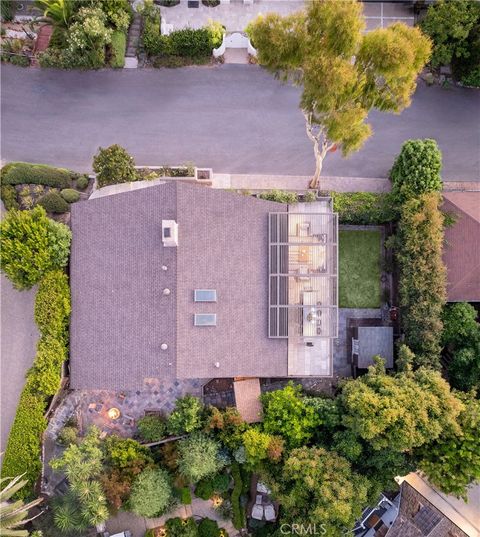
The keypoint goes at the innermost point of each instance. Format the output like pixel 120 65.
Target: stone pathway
pixel 133 41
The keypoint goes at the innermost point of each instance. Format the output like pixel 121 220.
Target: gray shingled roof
pixel 373 340
pixel 120 316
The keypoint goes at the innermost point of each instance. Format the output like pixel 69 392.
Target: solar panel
pixel 205 295
pixel 205 319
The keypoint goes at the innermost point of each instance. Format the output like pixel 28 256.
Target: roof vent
pixel 169 233
pixel 164 346
pixel 164 267
pixel 217 364
pixel 166 291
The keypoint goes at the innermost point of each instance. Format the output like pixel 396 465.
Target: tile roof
pixel 120 316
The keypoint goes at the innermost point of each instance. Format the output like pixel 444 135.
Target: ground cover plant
pixel 364 208
pixel 359 269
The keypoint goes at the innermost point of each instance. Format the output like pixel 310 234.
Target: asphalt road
pixel 233 118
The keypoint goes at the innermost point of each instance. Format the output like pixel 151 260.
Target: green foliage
pixel 118 13
pixel 52 202
pixel 211 3
pixel 82 182
pixel 260 446
pixel 16 173
pixel 118 48
pixel 399 411
pixel 228 425
pixel 70 195
pixel 464 369
pixel 52 305
pixel 363 208
pixel 153 42
pixel 238 519
pixel 319 486
pixel 220 482
pixel 122 453
pixel 280 196
pixel 216 31
pixel 416 170
pixel 59 12
pixel 68 435
pixel 452 462
pixel 199 457
pixel 472 79
pixel 422 285
pixel 7 10
pixel 181 527
pixel 113 165
pixel 459 324
pixel 152 428
pixel 187 416
pixel 287 414
pixel 151 493
pixel 193 43
pixel 204 489
pixel 45 375
pixel 9 197
pixel 31 244
pixel 185 496
pixel 208 528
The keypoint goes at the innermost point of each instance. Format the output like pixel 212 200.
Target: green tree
pixel 199 457
pixel 228 425
pixel 151 493
pixel 152 428
pixel 187 416
pixel 464 368
pixel 286 413
pixel 459 324
pixel 113 165
pixel 30 245
pixel 416 170
pixel 449 24
pixel 452 462
pixel 260 446
pixel 318 486
pixel 344 71
pixel 399 411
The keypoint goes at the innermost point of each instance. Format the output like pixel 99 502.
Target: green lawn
pixel 359 274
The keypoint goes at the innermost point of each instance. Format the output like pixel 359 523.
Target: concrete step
pixel 236 55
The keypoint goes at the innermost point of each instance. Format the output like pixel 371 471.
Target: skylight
pixel 205 319
pixel 205 295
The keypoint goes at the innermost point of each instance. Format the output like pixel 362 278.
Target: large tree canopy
pixel 344 71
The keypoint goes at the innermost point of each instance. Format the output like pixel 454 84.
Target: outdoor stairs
pixel 133 40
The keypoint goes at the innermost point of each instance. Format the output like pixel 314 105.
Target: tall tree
pixel 344 71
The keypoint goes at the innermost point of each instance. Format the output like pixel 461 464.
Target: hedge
pixel 52 202
pixel 118 47
pixel 364 208
pixel 52 305
pixel 238 518
pixel 16 173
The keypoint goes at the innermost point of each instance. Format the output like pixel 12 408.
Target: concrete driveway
pixel 18 334
pixel 234 118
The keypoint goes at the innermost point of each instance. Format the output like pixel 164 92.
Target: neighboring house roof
pixel 247 399
pixel 425 511
pixel 120 315
pixel 462 246
pixel 373 341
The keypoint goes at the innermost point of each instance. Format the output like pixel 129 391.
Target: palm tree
pixel 13 514
pixel 58 12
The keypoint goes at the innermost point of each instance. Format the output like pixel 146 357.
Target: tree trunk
pixel 321 146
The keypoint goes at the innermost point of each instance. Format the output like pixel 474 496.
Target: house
pixel 179 281
pixel 371 341
pixel 462 246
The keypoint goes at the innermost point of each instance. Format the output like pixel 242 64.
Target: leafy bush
pixel 199 457
pixel 260 446
pixel 239 520
pixel 68 435
pixel 118 12
pixel 221 482
pixel 70 195
pixel 280 196
pixel 187 416
pixel 20 60
pixel 45 374
pixel 113 165
pixel 151 493
pixel 9 197
pixel 416 170
pixel 228 424
pixel 211 3
pixel 30 245
pixel 168 3
pixel 7 10
pixel 208 528
pixel 204 489
pixel 472 79
pixel 459 324
pixel 54 203
pixel 52 305
pixel 193 43
pixel 185 496
pixel 16 173
pixel 216 31
pixel 422 286
pixel 181 527
pixel 118 47
pixel 82 182
pixel 464 368
pixel 126 453
pixel 152 428
pixel 363 208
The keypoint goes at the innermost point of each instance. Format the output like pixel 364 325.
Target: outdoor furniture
pixel 95 407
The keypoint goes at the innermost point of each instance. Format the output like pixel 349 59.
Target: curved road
pixel 233 118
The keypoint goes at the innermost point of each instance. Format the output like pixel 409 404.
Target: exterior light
pixel 113 413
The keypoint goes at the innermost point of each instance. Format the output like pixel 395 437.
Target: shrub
pixel 7 10
pixel 113 165
pixel 126 453
pixel 9 197
pixel 199 457
pixel 459 324
pixel 259 446
pixel 280 196
pixel 464 368
pixel 238 520
pixel 118 13
pixel 472 79
pixel 16 173
pixel 68 435
pixel 416 170
pixel 151 428
pixel 153 41
pixel 363 208
pixel 151 493
pixel 190 42
pixel 52 305
pixel 221 482
pixel 82 182
pixel 211 3
pixel 208 528
pixel 118 47
pixel 187 416
pixel 185 496
pixel 54 203
pixel 216 31
pixel 422 286
pixel 168 3
pixel 70 195
pixel 204 489
pixel 31 245
pixel 181 527
pixel 228 425
pixel 20 60
pixel 45 375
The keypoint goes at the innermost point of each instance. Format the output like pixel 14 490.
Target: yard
pixel 359 274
